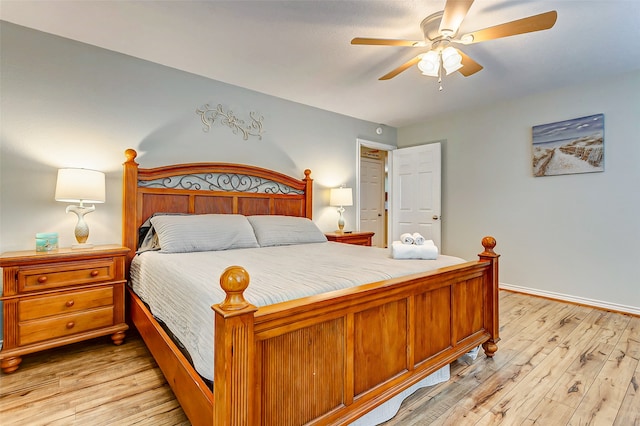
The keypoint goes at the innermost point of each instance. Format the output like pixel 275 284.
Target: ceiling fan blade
pixel 401 68
pixel 387 42
pixel 540 22
pixel 453 15
pixel 469 66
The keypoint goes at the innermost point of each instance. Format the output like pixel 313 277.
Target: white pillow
pixel 285 230
pixel 203 232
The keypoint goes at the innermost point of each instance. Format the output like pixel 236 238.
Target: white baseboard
pixel 573 299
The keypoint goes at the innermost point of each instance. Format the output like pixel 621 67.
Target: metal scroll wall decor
pixel 238 126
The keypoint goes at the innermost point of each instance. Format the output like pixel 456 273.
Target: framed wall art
pixel 568 147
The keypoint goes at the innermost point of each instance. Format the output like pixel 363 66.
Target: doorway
pixel 372 194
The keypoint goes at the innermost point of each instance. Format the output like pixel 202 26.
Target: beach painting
pixel 570 146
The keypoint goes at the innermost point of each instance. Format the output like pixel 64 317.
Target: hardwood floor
pixel 557 364
pixel 90 383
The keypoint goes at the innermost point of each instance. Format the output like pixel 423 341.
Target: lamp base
pixel 83 246
pixel 340 221
pixel 81 230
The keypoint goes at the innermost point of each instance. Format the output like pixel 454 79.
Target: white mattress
pixel 181 287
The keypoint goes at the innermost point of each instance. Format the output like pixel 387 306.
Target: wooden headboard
pixel 199 188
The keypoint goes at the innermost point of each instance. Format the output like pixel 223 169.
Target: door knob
pixel 435 217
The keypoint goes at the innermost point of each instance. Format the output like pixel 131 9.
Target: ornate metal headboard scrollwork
pixel 230 182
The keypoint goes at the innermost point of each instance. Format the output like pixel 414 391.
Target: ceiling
pixel 300 50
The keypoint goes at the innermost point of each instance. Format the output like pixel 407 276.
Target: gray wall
pixel 68 104
pixel 570 235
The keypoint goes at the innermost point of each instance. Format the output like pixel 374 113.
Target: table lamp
pixel 341 197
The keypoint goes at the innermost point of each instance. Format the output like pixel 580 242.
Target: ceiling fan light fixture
pixel 440 29
pixel 451 60
pixel 430 64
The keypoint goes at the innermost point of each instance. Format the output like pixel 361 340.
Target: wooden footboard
pixel 331 358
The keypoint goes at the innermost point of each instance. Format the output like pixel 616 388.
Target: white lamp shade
pixel 451 60
pixel 341 197
pixel 430 64
pixel 80 185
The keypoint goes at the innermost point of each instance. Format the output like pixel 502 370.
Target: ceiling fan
pixel 441 31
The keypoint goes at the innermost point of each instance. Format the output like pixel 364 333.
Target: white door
pixel 372 218
pixel 416 192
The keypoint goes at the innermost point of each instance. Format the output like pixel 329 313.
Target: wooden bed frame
pixel 325 359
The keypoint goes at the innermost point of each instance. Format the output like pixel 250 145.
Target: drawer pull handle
pixel 94 273
pixel 69 303
pixel 70 325
pixel 42 279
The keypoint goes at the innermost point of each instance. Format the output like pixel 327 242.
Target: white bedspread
pixel 180 288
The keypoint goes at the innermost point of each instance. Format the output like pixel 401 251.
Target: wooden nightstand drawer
pixel 40 307
pixel 65 274
pixel 359 240
pixel 63 325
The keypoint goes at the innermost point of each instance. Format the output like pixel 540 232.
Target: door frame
pixel 383 147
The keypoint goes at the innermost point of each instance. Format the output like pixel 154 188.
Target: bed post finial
pixel 130 154
pixel 488 243
pixel 234 281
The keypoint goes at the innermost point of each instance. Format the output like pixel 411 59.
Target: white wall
pixel 573 235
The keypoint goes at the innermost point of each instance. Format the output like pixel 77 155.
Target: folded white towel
pixel 418 239
pixel 407 238
pixel 412 251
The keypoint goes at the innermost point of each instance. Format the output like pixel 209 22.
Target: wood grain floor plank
pixel 629 413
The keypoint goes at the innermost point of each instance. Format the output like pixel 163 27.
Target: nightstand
pixel 64 296
pixel 357 238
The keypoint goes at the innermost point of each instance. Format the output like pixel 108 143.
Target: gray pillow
pixel 204 232
pixel 285 230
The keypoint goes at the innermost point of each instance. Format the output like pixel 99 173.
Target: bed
pixel 327 358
